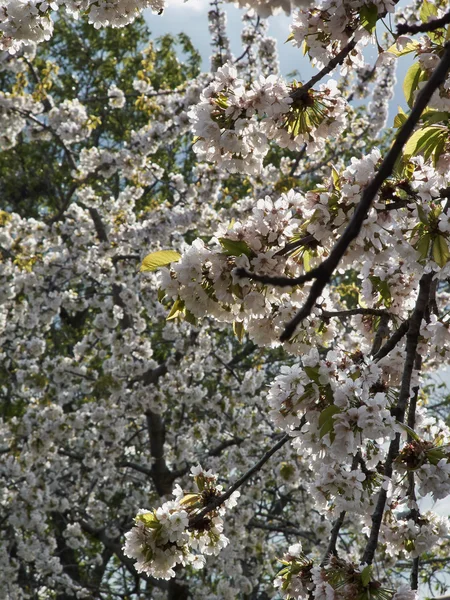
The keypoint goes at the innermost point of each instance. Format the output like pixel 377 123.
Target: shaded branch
pixel 331 549
pixel 392 341
pixel 432 25
pixel 221 499
pixel 376 312
pixel 412 339
pixel 299 93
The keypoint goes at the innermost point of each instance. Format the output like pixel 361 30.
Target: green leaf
pixel 433 143
pixel 435 116
pixel 161 258
pixel 161 295
pixel 289 38
pixel 422 214
pixel 326 421
pixel 401 118
pixel 369 16
pixel 235 247
pixel 190 317
pixel 428 11
pixel 418 139
pixel 411 82
pixel 410 47
pixel 366 575
pixel 328 414
pixel 177 310
pixel 423 245
pixel 408 429
pixel 441 253
pixel 313 373
pixel 439 150
pixel 239 330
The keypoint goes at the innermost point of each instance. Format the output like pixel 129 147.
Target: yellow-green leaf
pixel 400 119
pixel 366 575
pixel 407 49
pixel 190 499
pixel 177 310
pixel 428 11
pixel 306 257
pixel 335 177
pixel 441 253
pixel 418 139
pixel 411 82
pixel 161 258
pixel 239 330
pixel 409 430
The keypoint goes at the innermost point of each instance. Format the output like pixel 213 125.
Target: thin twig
pixel 300 92
pixel 392 341
pixel 221 499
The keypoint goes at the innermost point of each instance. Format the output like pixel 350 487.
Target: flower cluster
pixel 25 22
pixel 413 536
pixel 337 579
pixel 336 408
pixel 70 121
pixel 178 532
pixel 234 123
pixel 430 460
pixel 324 30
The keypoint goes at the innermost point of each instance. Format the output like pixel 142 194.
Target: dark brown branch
pixel 285 530
pixel 392 341
pixel 414 514
pixel 278 280
pixel 161 474
pixel 403 28
pixel 376 312
pixel 216 451
pixel 381 333
pixel 221 499
pixel 136 467
pixel 331 549
pixel 298 158
pixel 412 339
pixel 299 93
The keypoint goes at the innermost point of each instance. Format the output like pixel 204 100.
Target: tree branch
pixel 432 25
pixel 221 499
pixel 412 339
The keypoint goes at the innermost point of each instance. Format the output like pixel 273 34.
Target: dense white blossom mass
pixel 167 301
